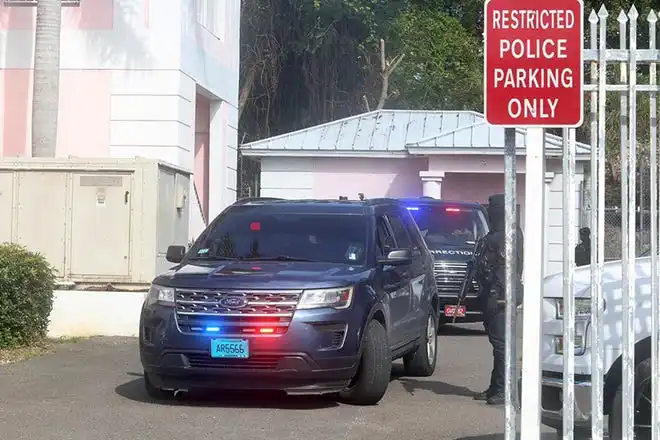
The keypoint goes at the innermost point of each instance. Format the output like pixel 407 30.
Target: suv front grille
pixel 256 362
pixel 449 277
pixel 236 312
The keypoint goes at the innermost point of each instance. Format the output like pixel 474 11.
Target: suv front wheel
pixel 421 362
pixel 373 376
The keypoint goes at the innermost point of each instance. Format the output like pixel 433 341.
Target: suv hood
pixel 261 275
pixel 452 253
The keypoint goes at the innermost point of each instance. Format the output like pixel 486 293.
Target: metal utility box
pixel 96 220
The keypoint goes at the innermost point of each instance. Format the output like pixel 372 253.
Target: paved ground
pixel 93 390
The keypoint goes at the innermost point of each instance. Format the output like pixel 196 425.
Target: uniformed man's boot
pixel 496 399
pixel 482 395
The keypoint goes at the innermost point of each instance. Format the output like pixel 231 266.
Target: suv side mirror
pixel 175 253
pixel 396 257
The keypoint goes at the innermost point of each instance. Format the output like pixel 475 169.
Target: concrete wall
pixel 81 313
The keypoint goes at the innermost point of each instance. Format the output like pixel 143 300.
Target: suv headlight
pixel 582 307
pixel 161 295
pixel 339 298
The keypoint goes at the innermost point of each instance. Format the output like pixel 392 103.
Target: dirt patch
pixel 11 355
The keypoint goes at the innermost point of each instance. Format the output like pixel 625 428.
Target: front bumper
pixel 551 400
pixel 309 358
pixel 472 305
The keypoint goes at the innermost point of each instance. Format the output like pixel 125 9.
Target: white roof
pixel 399 132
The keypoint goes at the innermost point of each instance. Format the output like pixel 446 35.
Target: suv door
pixel 394 282
pixel 415 271
pixel 423 280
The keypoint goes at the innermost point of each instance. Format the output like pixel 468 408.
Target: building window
pixel 34 2
pixel 211 15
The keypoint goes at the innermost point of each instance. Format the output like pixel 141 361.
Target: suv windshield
pixel 445 225
pixel 258 233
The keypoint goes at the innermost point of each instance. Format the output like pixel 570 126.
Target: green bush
pixel 27 282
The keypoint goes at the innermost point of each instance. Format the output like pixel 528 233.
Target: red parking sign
pixel 533 65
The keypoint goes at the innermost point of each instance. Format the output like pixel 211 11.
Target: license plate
pixel 230 348
pixel 457 311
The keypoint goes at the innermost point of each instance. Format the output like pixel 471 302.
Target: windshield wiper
pixel 279 258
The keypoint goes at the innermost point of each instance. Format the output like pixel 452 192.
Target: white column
pixel 530 416
pixel 432 183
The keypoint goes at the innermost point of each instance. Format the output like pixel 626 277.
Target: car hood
pixel 261 275
pixel 612 274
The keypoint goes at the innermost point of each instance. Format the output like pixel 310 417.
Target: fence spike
pixel 652 17
pixel 593 17
pixel 622 17
pixel 633 14
pixel 602 12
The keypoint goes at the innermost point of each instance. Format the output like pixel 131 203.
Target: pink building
pixel 156 79
pixel 452 155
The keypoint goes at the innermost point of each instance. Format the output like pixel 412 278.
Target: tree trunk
pixel 46 80
pixel 246 90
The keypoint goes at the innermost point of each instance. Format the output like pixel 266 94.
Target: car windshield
pixel 443 225
pixel 246 233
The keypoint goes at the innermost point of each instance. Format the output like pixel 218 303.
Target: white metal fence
pixel 616 332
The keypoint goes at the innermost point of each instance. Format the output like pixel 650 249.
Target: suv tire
pixel 421 362
pixel 373 376
pixel 155 392
pixel 643 377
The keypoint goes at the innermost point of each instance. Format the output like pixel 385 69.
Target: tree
pixel 46 81
pixel 443 68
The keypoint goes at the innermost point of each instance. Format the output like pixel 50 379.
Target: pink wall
pixel 96 14
pixel 373 177
pixel 478 187
pixel 201 164
pixel 84 113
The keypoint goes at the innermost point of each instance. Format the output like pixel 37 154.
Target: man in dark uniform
pixel 583 249
pixel 491 277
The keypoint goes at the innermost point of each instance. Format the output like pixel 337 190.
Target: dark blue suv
pixel 308 297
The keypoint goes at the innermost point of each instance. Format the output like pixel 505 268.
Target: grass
pixel 11 355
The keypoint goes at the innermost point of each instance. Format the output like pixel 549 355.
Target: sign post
pixel 533 75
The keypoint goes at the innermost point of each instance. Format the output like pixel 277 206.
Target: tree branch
pixel 386 69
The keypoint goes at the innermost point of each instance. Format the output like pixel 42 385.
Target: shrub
pixel 27 282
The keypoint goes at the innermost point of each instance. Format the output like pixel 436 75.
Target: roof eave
pixel 324 153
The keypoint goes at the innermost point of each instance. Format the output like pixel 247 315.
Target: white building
pixel 157 79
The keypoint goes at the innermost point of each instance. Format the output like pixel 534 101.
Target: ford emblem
pixel 233 302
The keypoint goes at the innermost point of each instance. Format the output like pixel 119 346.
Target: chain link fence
pixel 613 228
pixel 614 238
pixel 249 177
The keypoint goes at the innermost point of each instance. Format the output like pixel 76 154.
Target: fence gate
pixel 610 317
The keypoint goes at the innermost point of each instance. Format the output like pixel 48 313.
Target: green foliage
pixel 443 67
pixel 27 283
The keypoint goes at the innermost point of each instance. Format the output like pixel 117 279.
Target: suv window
pixel 400 234
pixel 443 225
pixel 249 232
pixel 482 225
pixel 384 240
pixel 412 229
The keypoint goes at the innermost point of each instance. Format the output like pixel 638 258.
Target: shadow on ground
pixel 437 387
pixel 134 390
pixel 456 330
